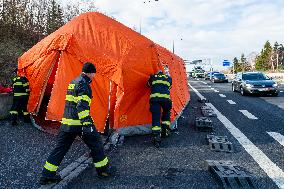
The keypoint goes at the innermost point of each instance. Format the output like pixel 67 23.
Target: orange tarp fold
pixel 124 60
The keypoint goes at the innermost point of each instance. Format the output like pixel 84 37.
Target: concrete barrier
pixel 6 101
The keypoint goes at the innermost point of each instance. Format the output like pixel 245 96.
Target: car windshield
pixel 219 75
pixel 255 77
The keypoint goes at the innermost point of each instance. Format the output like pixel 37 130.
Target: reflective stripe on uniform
pixel 25 84
pixel 156 128
pixel 87 123
pixel 20 94
pixel 50 167
pixel 25 113
pixel 101 163
pixel 71 86
pixel 160 95
pixel 71 98
pixel 70 121
pixel 166 122
pixel 13 112
pixel 18 83
pixel 83 114
pixel 162 76
pixel 85 98
pixel 161 82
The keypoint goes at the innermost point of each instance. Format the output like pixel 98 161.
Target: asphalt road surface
pixel 253 124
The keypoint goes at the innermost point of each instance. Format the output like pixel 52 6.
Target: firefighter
pixel 160 85
pixel 21 92
pixel 77 121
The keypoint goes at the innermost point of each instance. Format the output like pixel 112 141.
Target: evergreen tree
pixel 237 66
pixel 54 17
pixel 281 55
pixel 264 59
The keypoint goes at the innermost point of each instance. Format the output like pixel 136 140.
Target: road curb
pixel 71 172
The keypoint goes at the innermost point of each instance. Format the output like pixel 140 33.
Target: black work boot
pixel 106 172
pixel 27 119
pixel 14 119
pixel 165 131
pixel 50 180
pixel 14 122
pixel 157 140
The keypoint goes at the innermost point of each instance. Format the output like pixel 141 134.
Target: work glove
pixel 88 129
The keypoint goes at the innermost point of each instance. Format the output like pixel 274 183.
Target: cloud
pixel 216 29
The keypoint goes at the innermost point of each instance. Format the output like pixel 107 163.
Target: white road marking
pixel 248 114
pixel 278 137
pixel 281 91
pixel 270 168
pixel 198 93
pixel 197 79
pixel 231 102
pixel 203 82
pixel 222 95
pixel 212 88
pixel 209 86
pixel 216 91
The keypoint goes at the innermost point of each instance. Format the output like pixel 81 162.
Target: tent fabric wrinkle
pixel 124 60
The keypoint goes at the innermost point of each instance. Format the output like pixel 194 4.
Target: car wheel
pixel 242 91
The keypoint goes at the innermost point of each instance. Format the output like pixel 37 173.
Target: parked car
pixel 254 83
pixel 219 77
pixel 209 75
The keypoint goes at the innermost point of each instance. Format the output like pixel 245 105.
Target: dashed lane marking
pixel 212 88
pixel 248 114
pixel 278 137
pixel 222 95
pixel 216 91
pixel 281 91
pixel 231 102
pixel 270 168
pixel 203 82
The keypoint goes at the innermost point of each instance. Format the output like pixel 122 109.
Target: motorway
pixel 253 124
pixel 255 121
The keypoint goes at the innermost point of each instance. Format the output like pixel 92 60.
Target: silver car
pixel 254 83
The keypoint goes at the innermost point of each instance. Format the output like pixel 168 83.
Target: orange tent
pixel 124 61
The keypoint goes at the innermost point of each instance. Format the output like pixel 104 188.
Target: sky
pixel 210 30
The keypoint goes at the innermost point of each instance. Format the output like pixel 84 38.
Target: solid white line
pixel 270 168
pixel 278 137
pixel 231 102
pixel 248 114
pixel 222 95
pixel 197 93
pixel 216 91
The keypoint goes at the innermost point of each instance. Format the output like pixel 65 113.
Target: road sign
pixel 226 63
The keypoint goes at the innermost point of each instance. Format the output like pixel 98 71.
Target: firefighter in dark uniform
pixel 21 92
pixel 160 84
pixel 77 121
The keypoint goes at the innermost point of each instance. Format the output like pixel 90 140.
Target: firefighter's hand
pixel 88 129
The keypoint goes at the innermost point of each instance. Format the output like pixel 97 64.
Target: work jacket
pixel 77 105
pixel 160 87
pixel 20 87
